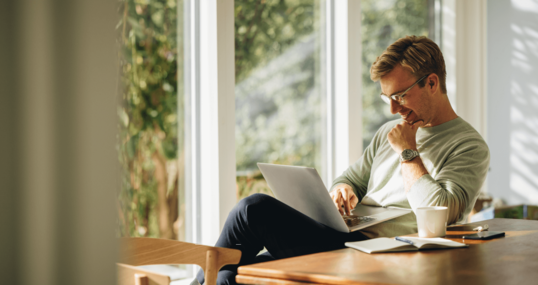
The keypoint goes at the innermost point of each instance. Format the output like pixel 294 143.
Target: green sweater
pixel 457 160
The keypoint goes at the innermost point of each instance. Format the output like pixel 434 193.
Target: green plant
pixel 148 142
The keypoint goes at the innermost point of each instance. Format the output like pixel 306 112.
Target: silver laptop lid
pixel 302 189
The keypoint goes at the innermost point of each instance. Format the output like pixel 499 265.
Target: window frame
pixel 210 166
pixel 210 118
pixel 343 52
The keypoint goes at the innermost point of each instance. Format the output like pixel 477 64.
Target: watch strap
pixel 408 155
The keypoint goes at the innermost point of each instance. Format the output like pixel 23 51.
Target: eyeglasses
pixel 399 97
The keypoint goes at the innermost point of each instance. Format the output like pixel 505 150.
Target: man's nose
pixel 395 107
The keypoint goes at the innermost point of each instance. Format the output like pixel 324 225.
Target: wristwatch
pixel 408 155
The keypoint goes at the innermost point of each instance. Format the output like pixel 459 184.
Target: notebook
pixel 378 245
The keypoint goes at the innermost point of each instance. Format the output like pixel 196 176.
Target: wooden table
pixel 509 260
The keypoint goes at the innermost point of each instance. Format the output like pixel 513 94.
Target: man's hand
pixel 343 195
pixel 403 136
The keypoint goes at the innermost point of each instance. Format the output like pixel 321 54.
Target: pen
pixel 404 240
pixel 481 228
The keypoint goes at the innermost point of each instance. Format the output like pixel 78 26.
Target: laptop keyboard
pixel 354 220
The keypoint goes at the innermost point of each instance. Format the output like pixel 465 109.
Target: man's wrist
pixel 339 185
pixel 408 155
pixel 412 171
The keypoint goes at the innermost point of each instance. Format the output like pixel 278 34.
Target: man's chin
pixel 419 120
pixel 412 122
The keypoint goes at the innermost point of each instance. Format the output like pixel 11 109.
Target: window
pixel 288 60
pixel 285 59
pixel 150 145
pixel 383 22
pixel 279 93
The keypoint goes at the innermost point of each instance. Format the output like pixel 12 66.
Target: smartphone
pixel 484 235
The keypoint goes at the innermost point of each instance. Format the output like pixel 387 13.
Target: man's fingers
pixel 345 200
pixel 354 201
pixel 347 206
pixel 338 201
pixel 345 196
pixel 350 200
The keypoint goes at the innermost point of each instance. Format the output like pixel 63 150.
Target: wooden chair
pixel 146 251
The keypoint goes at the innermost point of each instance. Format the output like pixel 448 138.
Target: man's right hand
pixel 344 199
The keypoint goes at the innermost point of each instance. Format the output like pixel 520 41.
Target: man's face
pixel 417 104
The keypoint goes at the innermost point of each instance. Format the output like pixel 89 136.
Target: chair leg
pixel 211 270
pixel 141 279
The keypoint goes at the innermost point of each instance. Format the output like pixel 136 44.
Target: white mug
pixel 431 221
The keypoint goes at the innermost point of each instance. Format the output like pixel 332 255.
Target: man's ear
pixel 432 82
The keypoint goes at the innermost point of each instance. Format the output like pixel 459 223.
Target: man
pixel 429 157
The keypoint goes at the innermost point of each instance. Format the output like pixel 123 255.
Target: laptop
pixel 302 189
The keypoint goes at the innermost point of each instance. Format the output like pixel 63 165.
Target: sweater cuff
pixel 338 184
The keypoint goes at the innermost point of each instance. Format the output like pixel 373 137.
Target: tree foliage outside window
pixel 278 97
pixel 383 22
pixel 278 103
pixel 149 149
pixel 268 128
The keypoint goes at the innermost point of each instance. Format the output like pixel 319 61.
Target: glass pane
pixel 278 97
pixel 383 22
pixel 150 151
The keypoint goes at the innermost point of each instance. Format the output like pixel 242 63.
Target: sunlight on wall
pixel 523 115
pixel 513 100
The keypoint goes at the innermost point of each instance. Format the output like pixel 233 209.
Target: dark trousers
pixel 260 221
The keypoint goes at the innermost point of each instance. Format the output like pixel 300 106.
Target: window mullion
pixel 215 118
pixel 347 108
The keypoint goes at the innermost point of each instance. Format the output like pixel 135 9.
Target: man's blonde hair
pixel 419 54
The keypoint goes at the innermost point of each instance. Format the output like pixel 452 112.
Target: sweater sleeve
pixel 457 184
pixel 358 174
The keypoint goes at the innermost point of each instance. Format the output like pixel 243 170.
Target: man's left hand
pixel 403 136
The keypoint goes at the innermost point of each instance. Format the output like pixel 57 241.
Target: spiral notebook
pixel 378 245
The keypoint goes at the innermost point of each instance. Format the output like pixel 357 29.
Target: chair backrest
pixel 146 251
pixel 132 275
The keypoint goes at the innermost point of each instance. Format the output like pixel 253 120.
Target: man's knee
pixel 253 204
pixel 226 277
pixel 257 200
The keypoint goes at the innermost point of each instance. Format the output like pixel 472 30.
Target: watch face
pixel 407 154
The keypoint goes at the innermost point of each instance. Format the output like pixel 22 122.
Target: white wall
pixel 512 108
